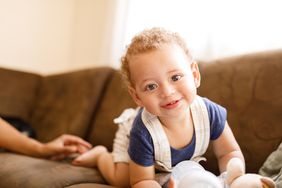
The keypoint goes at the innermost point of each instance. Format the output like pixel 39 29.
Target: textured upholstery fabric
pixel 115 100
pixel 250 87
pixel 18 92
pixel 89 185
pixel 67 102
pixel 43 173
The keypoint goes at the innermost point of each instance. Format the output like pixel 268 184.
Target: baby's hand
pixel 171 183
pixel 90 158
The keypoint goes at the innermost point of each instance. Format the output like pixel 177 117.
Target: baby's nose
pixel 167 90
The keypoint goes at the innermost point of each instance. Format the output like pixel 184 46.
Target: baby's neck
pixel 179 133
pixel 177 122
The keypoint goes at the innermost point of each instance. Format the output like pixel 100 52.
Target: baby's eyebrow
pixel 146 80
pixel 174 70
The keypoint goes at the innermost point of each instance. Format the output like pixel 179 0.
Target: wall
pixel 51 36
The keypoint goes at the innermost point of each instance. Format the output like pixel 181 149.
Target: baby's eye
pixel 176 77
pixel 150 87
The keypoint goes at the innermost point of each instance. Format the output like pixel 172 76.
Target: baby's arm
pixel 226 147
pixel 142 177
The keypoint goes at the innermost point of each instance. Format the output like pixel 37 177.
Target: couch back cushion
pixel 17 93
pixel 115 100
pixel 249 86
pixel 66 102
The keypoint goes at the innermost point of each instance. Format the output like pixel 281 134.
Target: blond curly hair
pixel 148 40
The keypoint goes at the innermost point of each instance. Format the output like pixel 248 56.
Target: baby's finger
pixel 171 183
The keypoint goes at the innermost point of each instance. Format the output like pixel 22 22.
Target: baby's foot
pixel 89 158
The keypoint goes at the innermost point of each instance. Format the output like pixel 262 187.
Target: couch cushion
pixel 67 102
pixel 115 100
pixel 18 171
pixel 17 93
pixel 90 185
pixel 249 86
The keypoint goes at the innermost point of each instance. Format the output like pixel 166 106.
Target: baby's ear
pixel 235 168
pixel 267 182
pixel 196 73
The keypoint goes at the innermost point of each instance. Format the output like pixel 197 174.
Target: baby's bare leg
pixel 116 174
pixel 89 158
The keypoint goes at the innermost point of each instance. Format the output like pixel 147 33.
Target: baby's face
pixel 164 81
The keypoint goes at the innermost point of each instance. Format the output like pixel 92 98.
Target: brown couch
pixel 85 103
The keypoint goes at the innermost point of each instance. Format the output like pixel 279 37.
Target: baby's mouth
pixel 171 104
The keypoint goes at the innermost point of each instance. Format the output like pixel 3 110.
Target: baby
pixel 172 123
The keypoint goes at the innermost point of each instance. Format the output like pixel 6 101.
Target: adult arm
pixel 13 140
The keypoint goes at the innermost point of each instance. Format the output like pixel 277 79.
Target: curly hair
pixel 148 40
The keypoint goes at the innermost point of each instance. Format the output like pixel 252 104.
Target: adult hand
pixel 64 146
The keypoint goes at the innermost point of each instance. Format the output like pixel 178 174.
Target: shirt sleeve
pixel 141 149
pixel 217 116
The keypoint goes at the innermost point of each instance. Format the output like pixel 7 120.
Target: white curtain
pixel 212 28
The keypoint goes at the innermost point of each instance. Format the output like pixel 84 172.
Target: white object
pixel 190 174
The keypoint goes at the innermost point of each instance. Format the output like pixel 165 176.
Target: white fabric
pixel 202 127
pixel 160 141
pixel 222 179
pixel 121 141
